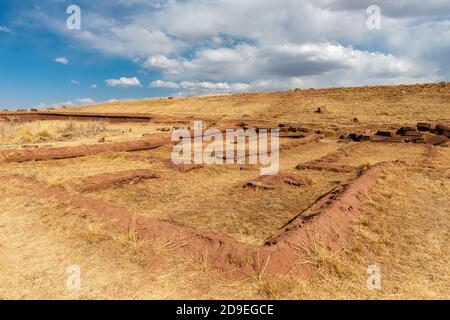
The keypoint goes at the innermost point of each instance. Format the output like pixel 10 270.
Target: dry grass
pixel 405 236
pixel 403 230
pixel 248 215
pixel 41 239
pixel 372 153
pixel 253 215
pixel 66 171
pixel 45 131
pixel 374 105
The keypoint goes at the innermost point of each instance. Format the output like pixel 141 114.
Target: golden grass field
pixel 371 105
pixel 403 226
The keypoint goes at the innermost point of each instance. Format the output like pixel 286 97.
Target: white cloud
pixel 123 82
pixel 94 86
pixel 207 87
pixel 74 82
pixel 211 86
pixel 201 87
pixel 309 64
pixel 69 103
pixel 64 103
pixel 85 101
pixel 5 29
pixel 161 62
pixel 164 84
pixel 132 41
pixel 62 60
pixel 270 44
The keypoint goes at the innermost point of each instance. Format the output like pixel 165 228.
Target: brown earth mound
pixel 438 140
pixel 330 216
pixel 429 154
pixel 320 165
pixel 184 167
pixel 115 179
pixel 223 253
pixel 168 163
pixel 340 153
pixel 327 162
pixel 291 135
pixel 80 151
pixel 302 141
pixel 274 181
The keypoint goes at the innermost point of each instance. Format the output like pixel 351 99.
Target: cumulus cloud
pixel 398 9
pixel 201 46
pixel 85 101
pixel 74 82
pixel 62 60
pixel 219 86
pixel 69 103
pixel 306 64
pixel 201 87
pixel 123 82
pixel 206 87
pixel 131 41
pixel 164 84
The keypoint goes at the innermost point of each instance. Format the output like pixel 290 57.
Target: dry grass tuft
pixel 39 131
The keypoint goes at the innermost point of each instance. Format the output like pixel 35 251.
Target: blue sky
pixel 131 49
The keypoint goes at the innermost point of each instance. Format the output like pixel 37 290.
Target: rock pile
pixel 424 132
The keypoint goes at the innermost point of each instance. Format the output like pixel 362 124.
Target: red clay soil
pixel 302 141
pixel 319 165
pixel 167 162
pixel 331 214
pixel 115 179
pixel 222 252
pixel 184 167
pixel 328 221
pixel 274 181
pixel 438 140
pixel 80 151
pixel 429 155
pixel 327 162
pixel 340 153
pixel 291 135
